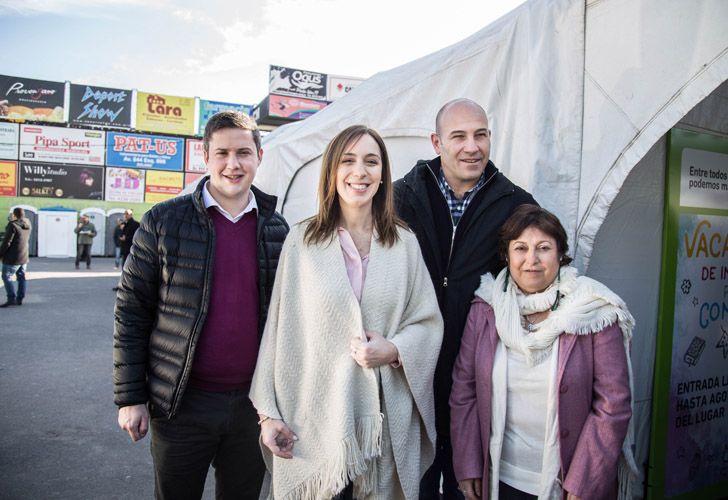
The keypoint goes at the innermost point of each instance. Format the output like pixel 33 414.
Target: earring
pixel 381 182
pixel 508 275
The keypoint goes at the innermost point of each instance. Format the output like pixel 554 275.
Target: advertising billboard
pixel 62 145
pixel 8 178
pixel 297 83
pixel 209 108
pixel 165 113
pixel 162 186
pixel 29 99
pixel 99 106
pixel 293 108
pixel 49 180
pixel 125 185
pixel 9 141
pixel 195 157
pixel 144 151
pixel 339 86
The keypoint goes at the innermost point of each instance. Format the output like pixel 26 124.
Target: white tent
pixel 576 94
pixel 580 96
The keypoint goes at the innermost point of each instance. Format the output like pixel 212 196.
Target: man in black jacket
pixel 455 204
pixel 14 254
pixel 128 229
pixel 190 310
pixel 127 234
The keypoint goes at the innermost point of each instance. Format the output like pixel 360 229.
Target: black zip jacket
pixel 164 294
pixel 455 262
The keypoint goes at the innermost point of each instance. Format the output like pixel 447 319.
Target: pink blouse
pixel 356 269
pixel 356 265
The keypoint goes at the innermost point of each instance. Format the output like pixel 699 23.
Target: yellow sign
pixel 162 185
pixel 8 179
pixel 165 113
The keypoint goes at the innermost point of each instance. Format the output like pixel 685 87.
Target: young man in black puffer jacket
pixel 190 310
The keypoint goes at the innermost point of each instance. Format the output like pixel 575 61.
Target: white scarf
pixel 585 307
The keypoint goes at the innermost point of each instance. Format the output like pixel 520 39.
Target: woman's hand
pixel 377 352
pixel 279 439
pixel 471 488
pixel 570 496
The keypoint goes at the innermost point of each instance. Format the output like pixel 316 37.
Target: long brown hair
pixel 322 226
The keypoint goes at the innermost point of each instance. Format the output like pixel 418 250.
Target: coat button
pixel 565 433
pixel 564 388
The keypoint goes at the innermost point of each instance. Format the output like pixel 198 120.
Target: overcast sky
pixel 221 49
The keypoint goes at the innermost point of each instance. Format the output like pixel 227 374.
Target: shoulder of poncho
pixel 408 239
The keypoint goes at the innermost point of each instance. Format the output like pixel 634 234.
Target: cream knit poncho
pixel 372 427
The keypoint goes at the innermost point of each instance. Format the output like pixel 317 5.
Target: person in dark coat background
pixel 14 254
pixel 455 204
pixel 118 231
pixel 127 234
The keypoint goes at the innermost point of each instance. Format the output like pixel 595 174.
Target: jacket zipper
pixel 452 221
pixel 197 327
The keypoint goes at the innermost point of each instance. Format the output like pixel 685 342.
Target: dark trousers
pixel 507 492
pixel 83 252
pixel 210 428
pixel 441 468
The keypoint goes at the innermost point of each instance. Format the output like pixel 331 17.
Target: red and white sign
pixel 191 177
pixel 339 86
pixel 195 156
pixel 62 145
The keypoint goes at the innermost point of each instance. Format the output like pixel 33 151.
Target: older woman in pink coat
pixel 541 399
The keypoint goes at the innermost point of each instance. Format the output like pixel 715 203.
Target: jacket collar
pixel 419 175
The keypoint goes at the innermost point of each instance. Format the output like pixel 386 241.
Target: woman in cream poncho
pixel 343 383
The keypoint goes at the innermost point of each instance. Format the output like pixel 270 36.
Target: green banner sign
pixel 689 442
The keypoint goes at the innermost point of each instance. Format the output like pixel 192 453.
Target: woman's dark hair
pixel 323 225
pixel 526 216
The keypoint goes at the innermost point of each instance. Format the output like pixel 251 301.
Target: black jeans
pixel 83 252
pixel 210 428
pixel 442 467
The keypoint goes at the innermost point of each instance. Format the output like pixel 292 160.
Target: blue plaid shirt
pixel 457 207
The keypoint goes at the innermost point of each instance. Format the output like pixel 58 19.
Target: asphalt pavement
pixel 58 432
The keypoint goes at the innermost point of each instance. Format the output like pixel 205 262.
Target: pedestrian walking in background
pixel 128 227
pixel 14 254
pixel 85 231
pixel 118 231
pixel 127 234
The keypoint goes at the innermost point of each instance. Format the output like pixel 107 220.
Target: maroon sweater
pixel 228 344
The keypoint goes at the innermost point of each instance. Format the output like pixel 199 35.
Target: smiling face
pixel 359 172
pixel 463 143
pixel 232 161
pixel 533 260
